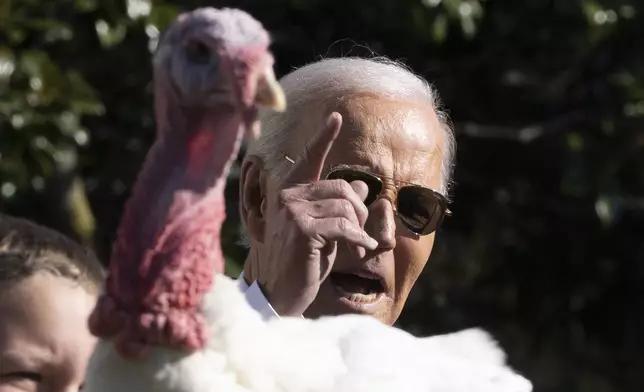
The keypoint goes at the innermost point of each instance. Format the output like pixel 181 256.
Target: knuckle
pixel 346 207
pixel 330 185
pixel 314 189
pixel 287 197
pixel 343 188
pixel 314 209
pixel 284 196
pixel 344 225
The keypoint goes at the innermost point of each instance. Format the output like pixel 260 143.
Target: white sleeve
pixel 256 298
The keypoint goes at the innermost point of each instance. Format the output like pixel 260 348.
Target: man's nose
pixel 381 224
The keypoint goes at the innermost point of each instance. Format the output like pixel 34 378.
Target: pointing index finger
pixel 309 164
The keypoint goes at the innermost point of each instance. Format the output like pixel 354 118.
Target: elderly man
pixel 342 194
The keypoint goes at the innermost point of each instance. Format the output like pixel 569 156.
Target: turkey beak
pixel 269 92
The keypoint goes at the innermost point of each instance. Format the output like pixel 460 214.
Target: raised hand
pixel 307 219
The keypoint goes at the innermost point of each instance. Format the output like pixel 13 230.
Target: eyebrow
pixel 368 170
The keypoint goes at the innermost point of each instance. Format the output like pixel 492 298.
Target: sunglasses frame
pixel 440 198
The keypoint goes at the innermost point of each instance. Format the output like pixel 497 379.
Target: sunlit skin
pixel 395 139
pixel 44 340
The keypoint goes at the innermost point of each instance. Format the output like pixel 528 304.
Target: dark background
pixel 545 249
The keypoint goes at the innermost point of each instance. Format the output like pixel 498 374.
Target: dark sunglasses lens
pixel 373 183
pixel 420 209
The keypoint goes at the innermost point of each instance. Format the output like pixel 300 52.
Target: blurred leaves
pixel 544 249
pixel 108 35
pixel 7 65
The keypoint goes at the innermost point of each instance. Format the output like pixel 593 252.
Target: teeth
pixel 357 297
pixel 366 276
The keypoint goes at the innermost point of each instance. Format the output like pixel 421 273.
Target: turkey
pixel 168 320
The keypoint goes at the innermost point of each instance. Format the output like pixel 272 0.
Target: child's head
pixel 48 287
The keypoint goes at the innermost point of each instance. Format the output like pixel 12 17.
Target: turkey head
pixel 212 71
pixel 216 58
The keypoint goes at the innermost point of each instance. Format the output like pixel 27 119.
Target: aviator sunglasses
pixel 420 209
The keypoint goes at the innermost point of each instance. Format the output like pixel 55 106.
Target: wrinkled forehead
pixel 398 138
pixel 231 26
pixel 369 118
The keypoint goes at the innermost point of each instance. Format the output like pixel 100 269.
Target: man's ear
pixel 252 197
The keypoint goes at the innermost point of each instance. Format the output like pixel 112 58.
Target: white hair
pixel 327 79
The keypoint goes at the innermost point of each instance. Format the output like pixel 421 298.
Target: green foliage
pixel 544 249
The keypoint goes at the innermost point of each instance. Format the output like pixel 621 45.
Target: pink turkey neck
pixel 168 244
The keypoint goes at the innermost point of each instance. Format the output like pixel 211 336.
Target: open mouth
pixel 357 288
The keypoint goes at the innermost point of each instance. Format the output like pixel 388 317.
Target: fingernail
pixel 373 244
pixel 333 117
